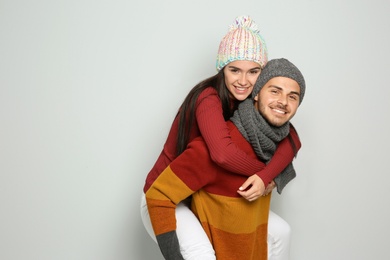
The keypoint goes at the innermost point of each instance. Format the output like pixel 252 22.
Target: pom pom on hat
pixel 242 42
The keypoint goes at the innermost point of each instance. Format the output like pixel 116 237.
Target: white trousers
pixel 195 245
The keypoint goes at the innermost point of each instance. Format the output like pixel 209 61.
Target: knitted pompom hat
pixel 242 42
pixel 280 68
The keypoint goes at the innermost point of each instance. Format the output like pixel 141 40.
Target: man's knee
pixel 278 228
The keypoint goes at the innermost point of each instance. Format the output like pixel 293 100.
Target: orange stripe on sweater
pixel 250 246
pixel 162 212
pixel 161 201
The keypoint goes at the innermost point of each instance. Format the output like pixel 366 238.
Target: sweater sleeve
pixel 214 130
pixel 161 198
pixel 179 180
pixel 224 151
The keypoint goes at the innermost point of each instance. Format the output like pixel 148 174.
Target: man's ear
pixel 256 98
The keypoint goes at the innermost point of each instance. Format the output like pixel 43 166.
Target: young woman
pixel 241 56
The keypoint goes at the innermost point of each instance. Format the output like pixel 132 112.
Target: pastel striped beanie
pixel 242 42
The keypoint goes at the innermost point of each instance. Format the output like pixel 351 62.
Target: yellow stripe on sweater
pixel 163 186
pixel 232 215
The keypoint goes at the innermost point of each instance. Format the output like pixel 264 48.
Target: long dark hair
pixel 186 112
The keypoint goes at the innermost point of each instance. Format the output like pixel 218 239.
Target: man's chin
pixel 277 123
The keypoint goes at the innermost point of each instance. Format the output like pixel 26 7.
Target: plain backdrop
pixel 88 90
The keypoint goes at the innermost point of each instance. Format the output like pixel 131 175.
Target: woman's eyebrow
pixel 234 67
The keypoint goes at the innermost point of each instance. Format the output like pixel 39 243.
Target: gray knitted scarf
pixel 263 137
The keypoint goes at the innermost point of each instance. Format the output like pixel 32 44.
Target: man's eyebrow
pixel 279 88
pixel 274 86
pixel 295 92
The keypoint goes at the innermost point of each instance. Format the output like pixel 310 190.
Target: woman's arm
pixel 213 128
pixel 226 154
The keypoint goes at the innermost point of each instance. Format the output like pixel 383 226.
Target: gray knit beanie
pixel 280 68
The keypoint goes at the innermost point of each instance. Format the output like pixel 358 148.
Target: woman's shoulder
pixel 208 100
pixel 208 92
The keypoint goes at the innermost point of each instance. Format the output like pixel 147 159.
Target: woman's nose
pixel 242 80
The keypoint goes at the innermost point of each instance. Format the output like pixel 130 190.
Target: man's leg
pixel 279 232
pixel 194 243
pixel 146 219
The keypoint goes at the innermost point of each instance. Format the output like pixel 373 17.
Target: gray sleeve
pixel 169 246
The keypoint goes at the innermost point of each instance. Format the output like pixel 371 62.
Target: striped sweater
pixel 236 228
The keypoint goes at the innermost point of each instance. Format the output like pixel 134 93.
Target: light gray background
pixel 89 90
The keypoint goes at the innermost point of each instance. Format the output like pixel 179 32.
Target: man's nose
pixel 283 100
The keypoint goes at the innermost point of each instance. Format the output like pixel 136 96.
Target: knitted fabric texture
pixel 242 42
pixel 263 137
pixel 236 228
pixel 280 68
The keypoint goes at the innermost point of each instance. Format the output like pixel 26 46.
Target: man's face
pixel 278 100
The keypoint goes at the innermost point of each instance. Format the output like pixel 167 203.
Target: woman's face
pixel 240 77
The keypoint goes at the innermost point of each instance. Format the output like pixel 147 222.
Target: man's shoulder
pixel 198 145
pixel 234 132
pixel 239 139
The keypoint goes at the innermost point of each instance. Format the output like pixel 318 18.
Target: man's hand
pixel 252 188
pixel 269 188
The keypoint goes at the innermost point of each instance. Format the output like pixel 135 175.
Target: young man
pixel 236 227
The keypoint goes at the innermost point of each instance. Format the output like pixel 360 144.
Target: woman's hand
pixel 252 188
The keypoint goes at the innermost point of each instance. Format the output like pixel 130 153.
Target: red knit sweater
pixel 236 227
pixel 211 125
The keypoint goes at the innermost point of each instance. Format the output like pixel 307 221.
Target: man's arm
pixel 162 197
pixel 169 246
pixel 255 186
pixel 184 176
